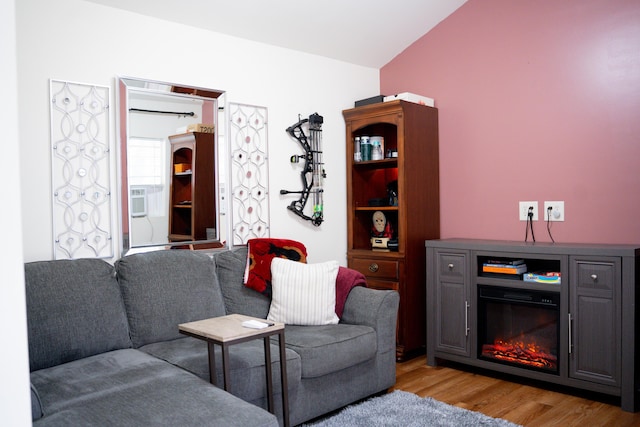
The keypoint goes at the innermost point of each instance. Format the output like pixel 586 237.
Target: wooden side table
pixel 228 330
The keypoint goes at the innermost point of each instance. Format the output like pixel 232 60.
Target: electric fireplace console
pixel 560 313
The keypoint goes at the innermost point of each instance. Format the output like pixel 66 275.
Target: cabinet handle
pixel 570 343
pixel 373 267
pixel 450 266
pixel 466 318
pixel 594 277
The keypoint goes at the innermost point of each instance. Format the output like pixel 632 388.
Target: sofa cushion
pixel 74 310
pixel 247 379
pixel 330 348
pixel 303 294
pixel 165 288
pixel 238 299
pixel 131 388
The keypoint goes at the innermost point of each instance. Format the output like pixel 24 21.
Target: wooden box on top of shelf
pixel 410 130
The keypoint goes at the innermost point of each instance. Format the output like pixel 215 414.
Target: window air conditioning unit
pixel 138 201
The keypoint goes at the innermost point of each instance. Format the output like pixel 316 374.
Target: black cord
pixel 529 226
pixel 549 223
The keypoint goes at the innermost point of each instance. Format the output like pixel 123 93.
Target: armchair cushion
pixel 74 310
pixel 328 349
pixel 165 288
pixel 230 266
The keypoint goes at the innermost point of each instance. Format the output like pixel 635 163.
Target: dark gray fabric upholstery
pixel 230 266
pixel 339 363
pixel 131 388
pixel 36 405
pixel 74 310
pixel 377 309
pixel 165 288
pixel 320 395
pixel 330 348
pixel 248 378
pixel 78 314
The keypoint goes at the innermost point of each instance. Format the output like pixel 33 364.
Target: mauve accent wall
pixel 538 100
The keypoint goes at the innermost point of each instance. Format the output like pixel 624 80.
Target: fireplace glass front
pixel 519 327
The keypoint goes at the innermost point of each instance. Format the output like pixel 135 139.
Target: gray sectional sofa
pixel 104 345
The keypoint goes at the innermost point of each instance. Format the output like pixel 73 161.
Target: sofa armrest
pixel 36 404
pixel 375 308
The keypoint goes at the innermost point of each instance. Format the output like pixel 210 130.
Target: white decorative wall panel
pixel 249 174
pixel 81 199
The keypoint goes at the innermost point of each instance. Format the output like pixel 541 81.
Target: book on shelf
pixel 543 277
pixel 504 268
pixel 506 261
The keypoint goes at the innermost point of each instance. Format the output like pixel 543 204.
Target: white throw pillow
pixel 303 294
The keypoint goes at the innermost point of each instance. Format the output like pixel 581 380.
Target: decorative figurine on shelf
pixel 381 227
pixel 382 234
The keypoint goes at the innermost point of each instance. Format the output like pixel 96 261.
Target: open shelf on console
pixel 538 265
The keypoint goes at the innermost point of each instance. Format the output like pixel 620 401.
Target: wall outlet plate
pixel 523 209
pixel 556 213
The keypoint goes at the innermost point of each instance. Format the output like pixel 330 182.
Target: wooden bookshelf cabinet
pixel 411 131
pixel 192 206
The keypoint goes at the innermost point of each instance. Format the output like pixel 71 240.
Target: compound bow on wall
pixel 313 170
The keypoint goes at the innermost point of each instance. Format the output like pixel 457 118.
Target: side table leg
pixel 225 366
pixel 283 379
pixel 212 363
pixel 267 364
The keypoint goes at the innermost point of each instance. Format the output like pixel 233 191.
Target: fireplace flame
pixel 529 354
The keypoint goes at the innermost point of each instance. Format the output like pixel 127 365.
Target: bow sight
pixel 313 171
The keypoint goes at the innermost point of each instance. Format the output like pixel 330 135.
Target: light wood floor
pixel 519 401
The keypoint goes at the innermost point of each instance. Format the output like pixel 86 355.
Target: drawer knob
pixel 594 277
pixel 450 266
pixel 373 267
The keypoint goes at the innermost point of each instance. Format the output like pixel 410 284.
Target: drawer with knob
pixel 451 265
pixel 377 268
pixel 596 275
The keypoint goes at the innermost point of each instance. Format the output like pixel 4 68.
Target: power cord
pixel 549 209
pixel 529 225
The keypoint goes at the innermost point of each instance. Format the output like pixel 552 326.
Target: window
pixel 147 171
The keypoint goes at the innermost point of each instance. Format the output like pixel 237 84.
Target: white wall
pixel 84 42
pixel 15 404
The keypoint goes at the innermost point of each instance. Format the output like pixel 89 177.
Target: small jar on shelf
pixel 357 153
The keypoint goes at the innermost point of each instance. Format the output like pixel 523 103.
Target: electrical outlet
pixel 524 210
pixel 557 211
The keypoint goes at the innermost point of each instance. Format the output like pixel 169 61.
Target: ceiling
pixel 364 32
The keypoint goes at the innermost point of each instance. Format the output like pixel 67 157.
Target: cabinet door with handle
pixel 451 292
pixel 594 320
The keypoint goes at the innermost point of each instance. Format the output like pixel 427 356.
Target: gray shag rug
pixel 401 408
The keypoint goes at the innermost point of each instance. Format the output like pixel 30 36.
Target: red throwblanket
pixel 347 279
pixel 261 251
